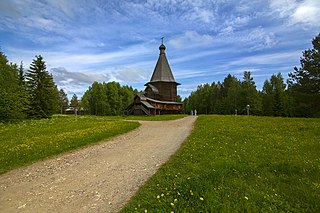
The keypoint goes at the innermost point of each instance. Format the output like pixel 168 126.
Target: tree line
pixel 26 95
pixel 107 98
pixel 300 97
pixel 33 94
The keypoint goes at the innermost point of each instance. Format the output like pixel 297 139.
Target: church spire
pixel 162 72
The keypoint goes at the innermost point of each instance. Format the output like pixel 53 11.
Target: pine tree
pixel 249 95
pixel 304 83
pixel 44 95
pixel 74 102
pixel 63 100
pixel 267 98
pixel 13 96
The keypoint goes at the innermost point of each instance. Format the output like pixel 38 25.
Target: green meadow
pixel 239 164
pixel 32 140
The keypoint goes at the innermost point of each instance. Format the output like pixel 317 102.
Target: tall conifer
pixel 43 92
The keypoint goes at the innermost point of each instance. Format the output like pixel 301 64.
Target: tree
pixel 127 93
pixel 112 90
pixel 63 100
pixel 249 95
pixel 267 99
pixel 200 100
pixel 107 98
pixel 21 76
pixel 278 92
pixel 13 95
pixel 44 95
pixel 276 101
pixel 304 83
pixel 74 102
pixel 231 91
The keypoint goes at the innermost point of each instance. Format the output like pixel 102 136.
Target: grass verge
pixel 29 141
pixel 239 164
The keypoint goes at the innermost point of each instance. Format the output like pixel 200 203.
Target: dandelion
pixel 162 195
pixel 158 196
pixel 175 200
pixel 201 198
pixel 145 211
pixel 172 204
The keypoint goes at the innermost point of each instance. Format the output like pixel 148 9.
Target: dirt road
pixel 99 178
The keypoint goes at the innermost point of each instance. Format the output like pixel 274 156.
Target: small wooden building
pixel 160 95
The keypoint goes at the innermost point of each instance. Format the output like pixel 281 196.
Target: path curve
pixel 99 178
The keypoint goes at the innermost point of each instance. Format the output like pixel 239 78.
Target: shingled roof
pixel 162 72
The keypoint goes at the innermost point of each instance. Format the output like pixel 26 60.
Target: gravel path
pixel 99 178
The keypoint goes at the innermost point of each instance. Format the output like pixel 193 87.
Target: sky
pixel 84 41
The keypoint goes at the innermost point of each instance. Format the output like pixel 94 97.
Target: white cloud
pixel 68 7
pixel 263 38
pixel 71 59
pixel 202 14
pixel 64 77
pixel 250 39
pixel 305 12
pixel 76 82
pixel 184 74
pixel 282 8
pixel 198 54
pixel 265 59
pixel 237 21
pixel 129 74
pixel 191 39
pixel 227 30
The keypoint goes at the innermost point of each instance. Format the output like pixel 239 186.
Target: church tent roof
pixel 162 72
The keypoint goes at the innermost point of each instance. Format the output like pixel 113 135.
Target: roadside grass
pixel 239 164
pixel 156 118
pixel 31 140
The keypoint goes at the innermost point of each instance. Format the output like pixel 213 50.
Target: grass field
pixel 239 164
pixel 32 140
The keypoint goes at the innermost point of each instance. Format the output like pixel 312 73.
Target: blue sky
pixel 115 40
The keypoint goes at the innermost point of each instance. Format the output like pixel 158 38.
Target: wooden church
pixel 160 94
